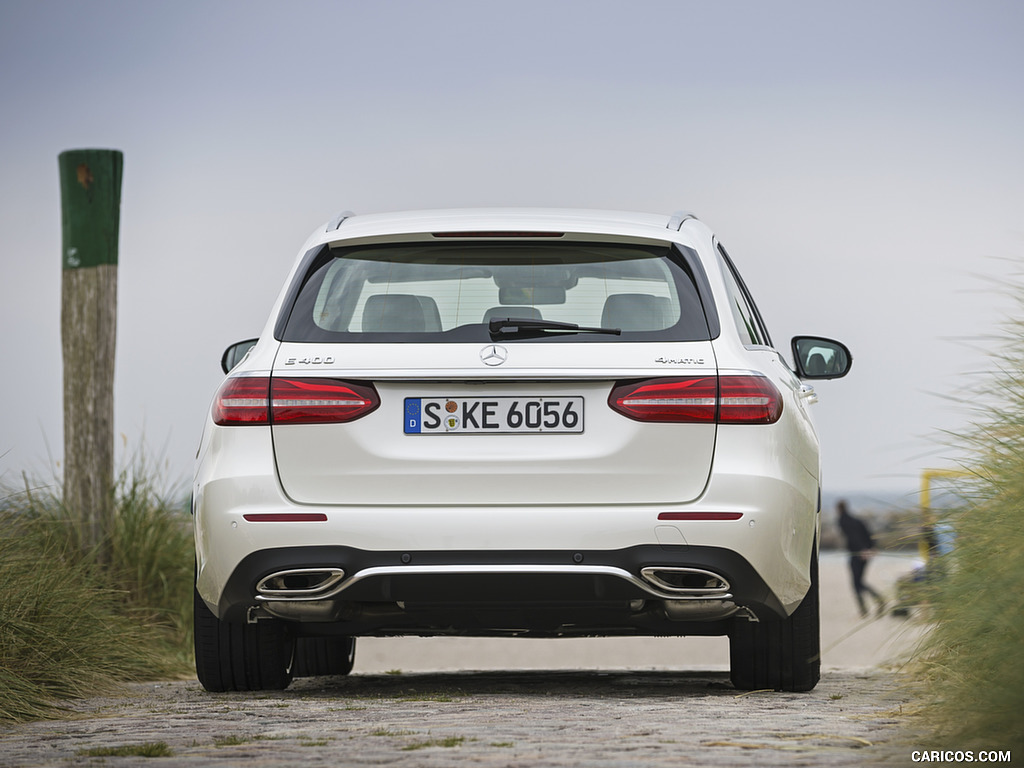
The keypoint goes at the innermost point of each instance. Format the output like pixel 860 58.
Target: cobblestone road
pixel 536 719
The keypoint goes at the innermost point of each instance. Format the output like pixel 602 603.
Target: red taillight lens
pixel 254 400
pixel 320 401
pixel 700 400
pixel 748 400
pixel 691 400
pixel 242 400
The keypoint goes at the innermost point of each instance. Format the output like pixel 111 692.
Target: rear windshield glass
pixel 426 292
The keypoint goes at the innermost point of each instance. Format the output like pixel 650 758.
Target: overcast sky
pixel 862 162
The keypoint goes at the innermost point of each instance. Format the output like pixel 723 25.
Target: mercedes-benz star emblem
pixel 493 354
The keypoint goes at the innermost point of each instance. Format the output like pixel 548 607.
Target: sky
pixel 863 163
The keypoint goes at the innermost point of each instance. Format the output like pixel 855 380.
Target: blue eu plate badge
pixel 412 416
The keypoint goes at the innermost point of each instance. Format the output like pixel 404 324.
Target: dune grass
pixel 972 660
pixel 70 627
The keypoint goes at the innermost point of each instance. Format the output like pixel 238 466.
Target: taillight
pixel 689 401
pixel 254 400
pixel 320 401
pixel 700 400
pixel 242 400
pixel 748 400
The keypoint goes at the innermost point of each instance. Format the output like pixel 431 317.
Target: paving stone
pixel 556 719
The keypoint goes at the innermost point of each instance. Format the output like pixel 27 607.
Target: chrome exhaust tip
pixel 299 583
pixel 687 582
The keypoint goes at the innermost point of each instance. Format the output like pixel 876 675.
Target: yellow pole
pixel 927 517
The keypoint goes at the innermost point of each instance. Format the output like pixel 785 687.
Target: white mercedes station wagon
pixel 512 423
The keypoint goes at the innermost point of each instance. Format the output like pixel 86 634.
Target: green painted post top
pixel 90 197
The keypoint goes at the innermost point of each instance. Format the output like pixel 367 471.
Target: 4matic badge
pixel 680 361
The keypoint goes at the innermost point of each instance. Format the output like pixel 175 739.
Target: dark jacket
pixel 858 537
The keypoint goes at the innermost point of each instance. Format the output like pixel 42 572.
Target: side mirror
pixel 818 358
pixel 233 355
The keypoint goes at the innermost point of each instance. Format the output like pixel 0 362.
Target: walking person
pixel 862 548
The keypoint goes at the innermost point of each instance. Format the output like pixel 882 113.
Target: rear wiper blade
pixel 499 325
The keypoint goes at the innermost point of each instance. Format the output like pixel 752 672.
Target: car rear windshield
pixel 429 292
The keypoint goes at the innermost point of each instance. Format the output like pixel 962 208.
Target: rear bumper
pixel 499 556
pixel 513 554
pixel 492 591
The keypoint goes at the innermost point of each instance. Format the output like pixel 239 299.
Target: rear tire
pixel 241 657
pixel 324 656
pixel 784 655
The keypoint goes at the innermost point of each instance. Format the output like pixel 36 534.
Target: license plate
pixel 492 415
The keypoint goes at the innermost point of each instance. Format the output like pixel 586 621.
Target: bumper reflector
pixel 700 515
pixel 286 517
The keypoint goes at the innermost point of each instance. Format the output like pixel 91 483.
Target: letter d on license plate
pixel 492 415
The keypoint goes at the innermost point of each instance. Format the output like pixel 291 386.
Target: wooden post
pixel 90 184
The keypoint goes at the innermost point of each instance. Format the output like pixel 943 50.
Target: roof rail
pixel 678 218
pixel 336 222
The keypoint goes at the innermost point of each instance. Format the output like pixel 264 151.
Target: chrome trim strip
pixel 502 373
pixel 430 570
